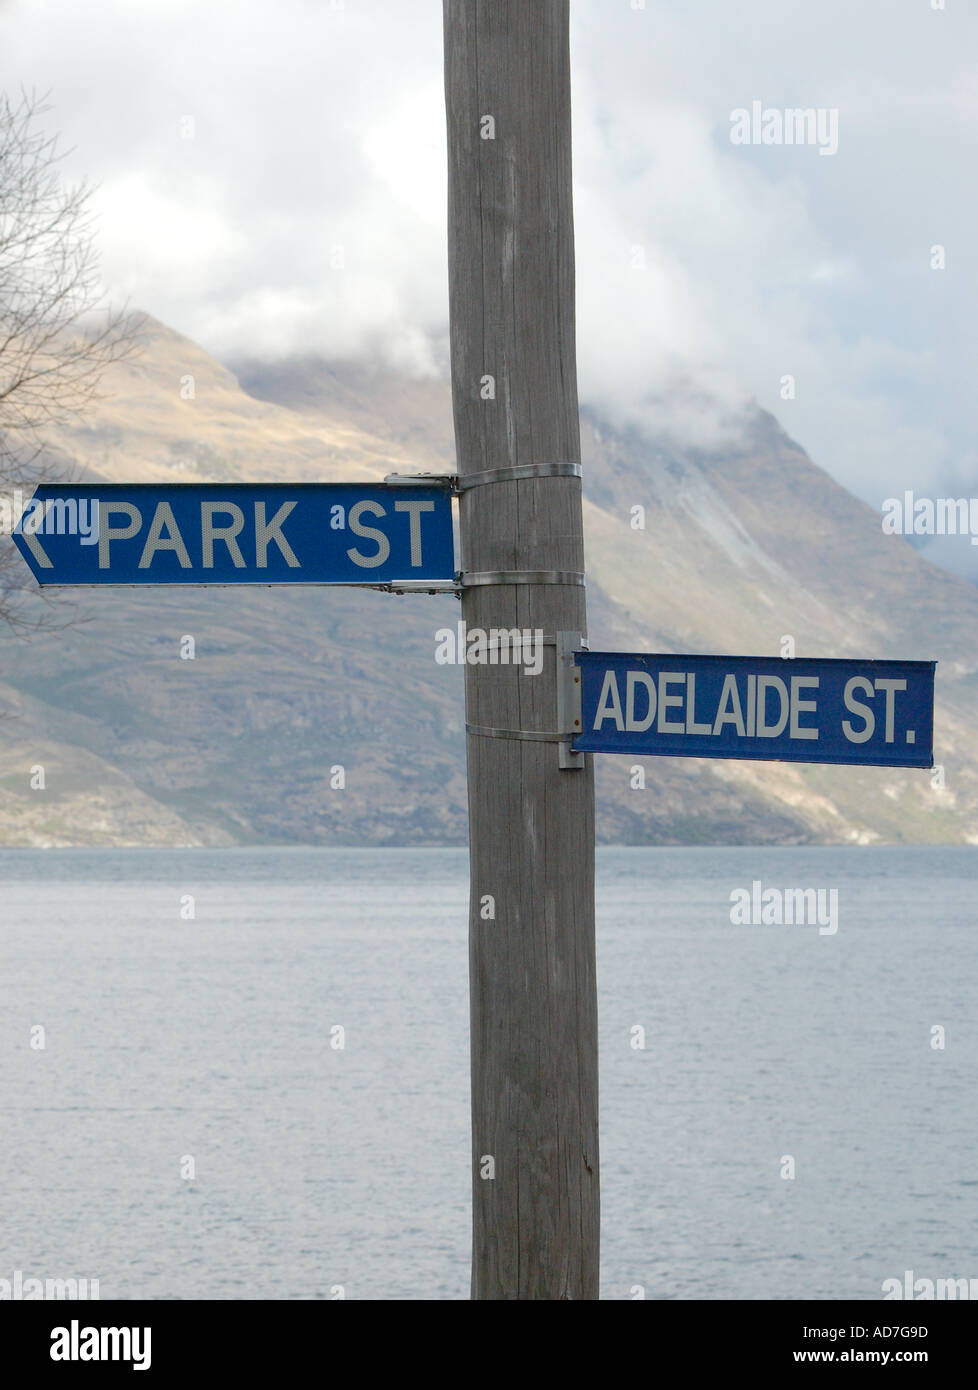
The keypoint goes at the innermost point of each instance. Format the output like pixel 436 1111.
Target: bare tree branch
pixel 57 333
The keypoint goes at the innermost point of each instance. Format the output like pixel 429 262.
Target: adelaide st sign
pixel 879 713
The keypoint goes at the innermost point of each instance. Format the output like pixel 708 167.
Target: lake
pixel 299 1044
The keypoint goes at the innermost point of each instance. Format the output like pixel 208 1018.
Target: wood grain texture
pixel 532 968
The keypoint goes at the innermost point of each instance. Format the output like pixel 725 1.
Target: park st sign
pixel 238 533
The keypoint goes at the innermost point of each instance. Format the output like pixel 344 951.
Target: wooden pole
pixel 531 823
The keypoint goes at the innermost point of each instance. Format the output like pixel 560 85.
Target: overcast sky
pixel 318 125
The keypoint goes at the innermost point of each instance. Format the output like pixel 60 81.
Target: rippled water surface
pixel 212 1039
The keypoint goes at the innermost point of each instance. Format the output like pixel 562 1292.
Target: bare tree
pixel 57 334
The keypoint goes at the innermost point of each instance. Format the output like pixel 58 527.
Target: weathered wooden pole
pixel 531 822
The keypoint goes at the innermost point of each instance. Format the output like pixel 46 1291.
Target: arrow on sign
pixel 240 533
pixel 879 713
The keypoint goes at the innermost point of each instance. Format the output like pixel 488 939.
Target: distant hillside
pixel 236 746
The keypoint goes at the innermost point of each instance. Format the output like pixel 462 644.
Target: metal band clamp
pixel 470 579
pixel 568 705
pixel 462 483
pixel 512 475
pixel 528 735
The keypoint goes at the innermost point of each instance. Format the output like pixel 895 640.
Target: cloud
pixel 307 211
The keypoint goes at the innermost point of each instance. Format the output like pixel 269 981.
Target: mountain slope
pixel 237 745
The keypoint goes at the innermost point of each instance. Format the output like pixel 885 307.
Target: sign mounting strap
pixel 459 483
pixel 512 475
pixel 530 735
pixel 568 644
pixel 470 579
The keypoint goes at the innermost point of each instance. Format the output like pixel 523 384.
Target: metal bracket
pixel 568 674
pixel 413 586
pixel 569 696
pixel 413 479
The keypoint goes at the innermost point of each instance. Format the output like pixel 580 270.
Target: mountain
pixel 740 549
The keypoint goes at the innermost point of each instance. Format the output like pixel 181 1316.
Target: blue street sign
pixel 238 533
pixel 879 713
